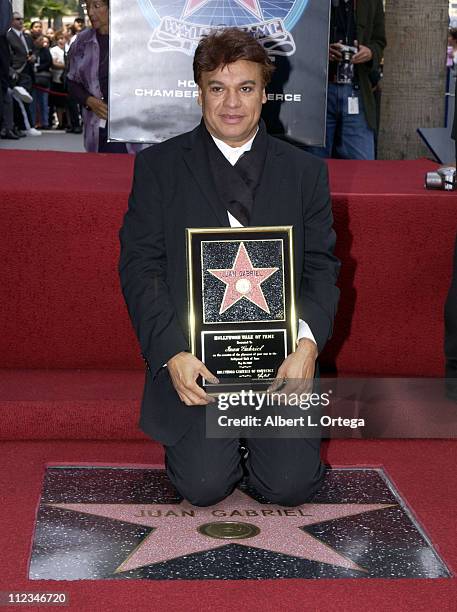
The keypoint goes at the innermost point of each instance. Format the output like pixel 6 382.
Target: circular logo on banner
pixel 178 25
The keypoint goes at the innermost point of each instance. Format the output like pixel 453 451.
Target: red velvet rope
pixel 54 93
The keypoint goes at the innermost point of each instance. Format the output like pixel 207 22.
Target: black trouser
pixel 73 111
pixel 450 337
pixel 205 470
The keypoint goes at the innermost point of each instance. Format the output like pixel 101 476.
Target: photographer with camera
pixel 357 42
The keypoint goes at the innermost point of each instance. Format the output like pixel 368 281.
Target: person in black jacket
pixel 43 65
pixel 194 180
pixel 6 15
pixel 351 107
pixel 22 62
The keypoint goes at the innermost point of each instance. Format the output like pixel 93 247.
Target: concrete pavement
pixel 50 140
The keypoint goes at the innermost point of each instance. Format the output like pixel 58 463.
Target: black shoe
pixel 18 132
pixel 8 135
pixel 77 130
pixel 69 130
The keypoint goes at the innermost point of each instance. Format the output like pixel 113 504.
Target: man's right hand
pixel 184 370
pixel 334 52
pixel 99 107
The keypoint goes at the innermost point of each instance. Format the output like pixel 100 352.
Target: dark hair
pixel 89 1
pixel 79 20
pixel 453 33
pixel 226 46
pixel 34 22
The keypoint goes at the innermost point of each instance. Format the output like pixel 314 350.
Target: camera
pixel 345 67
pixel 444 178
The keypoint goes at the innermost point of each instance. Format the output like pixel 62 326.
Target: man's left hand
pixel 297 369
pixel 364 54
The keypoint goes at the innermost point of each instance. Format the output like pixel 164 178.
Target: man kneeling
pixel 193 181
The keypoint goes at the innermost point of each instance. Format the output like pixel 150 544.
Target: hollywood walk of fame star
pixel 277 529
pixel 243 281
pixel 252 6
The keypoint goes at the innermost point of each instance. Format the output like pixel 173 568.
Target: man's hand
pixel 297 370
pixel 334 52
pixel 184 370
pixel 364 54
pixel 99 107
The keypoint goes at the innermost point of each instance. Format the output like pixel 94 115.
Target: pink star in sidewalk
pixel 176 528
pixel 252 6
pixel 243 281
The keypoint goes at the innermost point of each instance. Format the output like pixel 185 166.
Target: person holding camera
pixel 357 42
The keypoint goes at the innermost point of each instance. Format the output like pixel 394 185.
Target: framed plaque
pixel 241 302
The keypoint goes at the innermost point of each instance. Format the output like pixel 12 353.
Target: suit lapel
pixel 195 156
pixel 270 190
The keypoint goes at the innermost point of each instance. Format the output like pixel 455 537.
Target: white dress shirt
pixel 232 154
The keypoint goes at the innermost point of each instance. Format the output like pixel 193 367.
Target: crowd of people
pixel 59 79
pixel 56 79
pixel 33 68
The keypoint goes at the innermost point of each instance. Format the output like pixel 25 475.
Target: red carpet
pixel 63 312
pixel 423 471
pixel 70 404
pixel 61 214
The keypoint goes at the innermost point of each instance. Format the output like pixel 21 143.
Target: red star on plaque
pixel 243 281
pixel 252 6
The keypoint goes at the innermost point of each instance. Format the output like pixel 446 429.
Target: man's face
pixel 231 99
pixel 18 22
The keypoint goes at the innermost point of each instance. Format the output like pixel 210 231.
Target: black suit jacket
pixel 371 33
pixel 19 58
pixel 173 190
pixel 18 52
